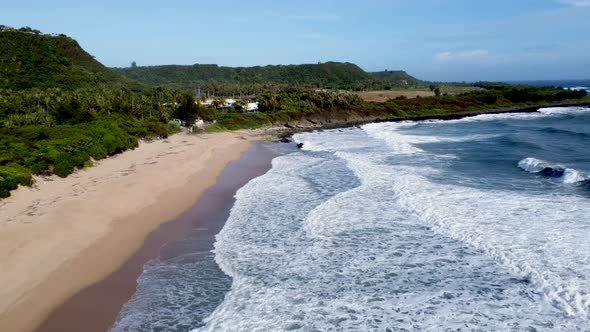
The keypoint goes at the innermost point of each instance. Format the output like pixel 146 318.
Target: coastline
pixel 95 308
pixel 306 125
pixel 42 253
pixel 64 235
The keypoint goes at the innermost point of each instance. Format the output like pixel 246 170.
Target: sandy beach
pixel 96 308
pixel 63 235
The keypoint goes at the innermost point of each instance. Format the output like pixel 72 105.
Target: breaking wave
pixel 567 175
pixel 359 231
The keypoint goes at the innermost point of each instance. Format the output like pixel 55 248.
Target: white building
pixel 251 107
pixel 229 103
pixel 206 102
pixel 199 123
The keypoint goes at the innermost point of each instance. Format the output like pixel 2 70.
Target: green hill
pixel 399 77
pixel 308 74
pixel 29 59
pixel 321 75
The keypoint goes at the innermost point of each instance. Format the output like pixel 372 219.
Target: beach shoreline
pixel 305 125
pixel 95 308
pixel 120 202
pixel 63 235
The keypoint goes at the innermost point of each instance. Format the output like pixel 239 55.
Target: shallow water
pixel 184 285
pixel 415 226
pixel 478 224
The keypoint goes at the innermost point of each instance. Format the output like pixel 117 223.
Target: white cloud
pixel 469 55
pixel 576 3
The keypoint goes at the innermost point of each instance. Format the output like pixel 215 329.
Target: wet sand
pixel 96 307
pixel 64 235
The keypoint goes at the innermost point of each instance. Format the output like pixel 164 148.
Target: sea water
pixel 566 84
pixel 477 224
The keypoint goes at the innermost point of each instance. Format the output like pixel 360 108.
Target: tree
pixel 29 30
pixel 437 91
pixel 187 110
pixel 133 64
pixel 268 103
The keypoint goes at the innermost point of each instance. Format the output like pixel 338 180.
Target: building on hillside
pixel 251 107
pixel 224 104
pixel 206 102
pixel 199 123
pixel 229 103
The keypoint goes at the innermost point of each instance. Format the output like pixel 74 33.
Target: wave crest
pixel 567 175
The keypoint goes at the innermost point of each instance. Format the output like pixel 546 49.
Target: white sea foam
pixel 338 140
pixel 552 111
pixel 533 165
pixel 542 112
pixel 405 143
pixel 530 235
pixel 569 176
pixel 353 261
pixel 398 142
pixel 345 236
pixel 579 88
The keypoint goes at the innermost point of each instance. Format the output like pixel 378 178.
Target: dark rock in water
pixel 300 145
pixel 285 140
pixel 553 172
pixel 447 296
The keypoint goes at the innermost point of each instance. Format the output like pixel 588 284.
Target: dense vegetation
pixel 59 108
pixel 219 80
pixel 49 107
pixel 53 131
pixel 299 105
pixel 397 78
pixel 60 149
pixel 508 97
pixel 29 59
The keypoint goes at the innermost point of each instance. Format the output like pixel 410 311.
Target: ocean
pixel 568 84
pixel 476 224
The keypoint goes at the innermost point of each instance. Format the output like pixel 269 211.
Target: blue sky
pixel 452 40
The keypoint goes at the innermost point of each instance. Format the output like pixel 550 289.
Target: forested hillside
pixel 328 75
pixel 29 59
pixel 59 108
pixel 396 77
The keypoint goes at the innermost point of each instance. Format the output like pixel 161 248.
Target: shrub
pixel 98 152
pixel 111 143
pixel 63 165
pixel 11 175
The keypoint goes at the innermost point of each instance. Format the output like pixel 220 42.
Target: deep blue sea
pixel 477 224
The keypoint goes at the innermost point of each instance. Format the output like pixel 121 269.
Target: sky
pixel 437 40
